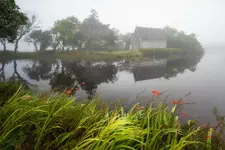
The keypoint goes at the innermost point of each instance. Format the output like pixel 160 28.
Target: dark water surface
pixel 132 80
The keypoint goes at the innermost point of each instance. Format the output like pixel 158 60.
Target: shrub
pixel 7 90
pixel 59 122
pixel 161 51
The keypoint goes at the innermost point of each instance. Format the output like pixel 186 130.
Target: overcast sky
pixel 206 18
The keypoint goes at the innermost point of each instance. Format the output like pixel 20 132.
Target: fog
pixel 205 18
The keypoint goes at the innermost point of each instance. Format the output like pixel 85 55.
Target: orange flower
pixel 183 114
pixel 174 102
pixel 83 83
pixel 154 92
pixel 140 108
pixel 26 98
pixel 207 137
pixel 204 125
pixel 177 102
pixel 68 91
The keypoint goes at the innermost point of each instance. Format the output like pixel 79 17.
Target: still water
pixel 132 80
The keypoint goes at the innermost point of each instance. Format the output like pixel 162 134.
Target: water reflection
pixel 70 74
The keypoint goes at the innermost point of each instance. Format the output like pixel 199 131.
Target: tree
pixel 45 40
pixel 96 34
pixel 10 20
pixel 34 37
pixel 127 40
pixel 91 28
pixel 64 31
pixel 55 41
pixel 110 39
pixel 179 39
pixel 25 29
pixel 4 42
pixel 40 70
pixel 40 39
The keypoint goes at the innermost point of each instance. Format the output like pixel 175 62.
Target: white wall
pixel 153 44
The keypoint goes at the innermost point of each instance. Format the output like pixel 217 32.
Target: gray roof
pixel 150 33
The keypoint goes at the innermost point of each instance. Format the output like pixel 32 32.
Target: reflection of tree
pixel 93 74
pixel 2 71
pixel 76 72
pixel 180 65
pixel 62 80
pixel 39 70
pixel 16 76
pixel 68 74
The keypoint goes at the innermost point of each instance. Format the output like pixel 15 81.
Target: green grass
pixel 59 122
pixel 161 51
pixel 91 55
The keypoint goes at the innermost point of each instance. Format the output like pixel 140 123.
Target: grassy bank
pixel 59 122
pixel 92 55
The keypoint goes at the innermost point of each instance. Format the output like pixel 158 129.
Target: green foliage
pixel 162 51
pixel 10 19
pixel 188 43
pixel 59 122
pixel 65 30
pixel 96 34
pixel 39 38
pixel 7 90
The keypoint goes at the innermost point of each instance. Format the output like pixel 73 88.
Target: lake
pixel 202 80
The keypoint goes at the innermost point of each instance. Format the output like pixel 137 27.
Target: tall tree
pixel 40 39
pixel 10 19
pixel 25 29
pixel 127 40
pixel 90 28
pixel 179 39
pixel 96 34
pixel 45 40
pixel 65 29
pixel 34 37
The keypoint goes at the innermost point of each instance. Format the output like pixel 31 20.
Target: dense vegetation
pixel 59 122
pixel 187 42
pixel 70 34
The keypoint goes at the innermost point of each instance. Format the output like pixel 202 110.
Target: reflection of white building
pixel 149 63
pixel 149 69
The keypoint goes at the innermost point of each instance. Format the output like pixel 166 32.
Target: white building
pixel 144 38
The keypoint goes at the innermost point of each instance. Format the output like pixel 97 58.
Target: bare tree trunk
pixel 35 46
pixel 16 45
pixel 3 41
pixel 2 72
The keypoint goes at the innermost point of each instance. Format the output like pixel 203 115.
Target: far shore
pixel 94 55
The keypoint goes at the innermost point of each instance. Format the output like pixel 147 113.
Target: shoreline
pixel 94 55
